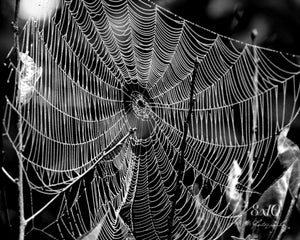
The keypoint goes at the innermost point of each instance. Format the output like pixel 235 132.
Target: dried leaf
pixel 196 189
pixel 288 152
pixel 267 211
pixel 234 197
pixel 289 157
pixel 29 75
pixel 274 196
pixel 294 183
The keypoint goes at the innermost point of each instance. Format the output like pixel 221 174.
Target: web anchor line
pixel 181 163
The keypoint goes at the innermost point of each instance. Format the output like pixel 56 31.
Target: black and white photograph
pixel 150 120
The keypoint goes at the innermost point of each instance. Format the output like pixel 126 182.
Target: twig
pixel 2 184
pixel 289 213
pixel 9 176
pixel 182 148
pixel 253 140
pixel 3 193
pixel 22 222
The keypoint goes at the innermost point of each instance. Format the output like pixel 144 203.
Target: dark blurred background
pixel 277 21
pixel 278 26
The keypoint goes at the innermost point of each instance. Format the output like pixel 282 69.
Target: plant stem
pixel 181 157
pixel 15 25
pixel 289 213
pixel 8 176
pixel 3 199
pixel 253 139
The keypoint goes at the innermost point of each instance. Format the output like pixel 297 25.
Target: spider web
pixel 112 67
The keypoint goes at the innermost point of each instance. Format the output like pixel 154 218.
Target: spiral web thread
pixel 111 66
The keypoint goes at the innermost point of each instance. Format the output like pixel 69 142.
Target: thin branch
pixel 2 184
pixel 15 26
pixel 9 176
pixel 3 193
pixel 253 140
pixel 182 148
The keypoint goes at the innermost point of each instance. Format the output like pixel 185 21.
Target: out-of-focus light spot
pixel 262 27
pixel 37 8
pixel 297 2
pixel 220 8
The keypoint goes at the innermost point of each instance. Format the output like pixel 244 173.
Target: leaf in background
pixel 29 75
pixel 267 211
pixel 273 197
pixel 289 157
pixel 196 189
pixel 294 183
pixel 234 197
pixel 288 152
